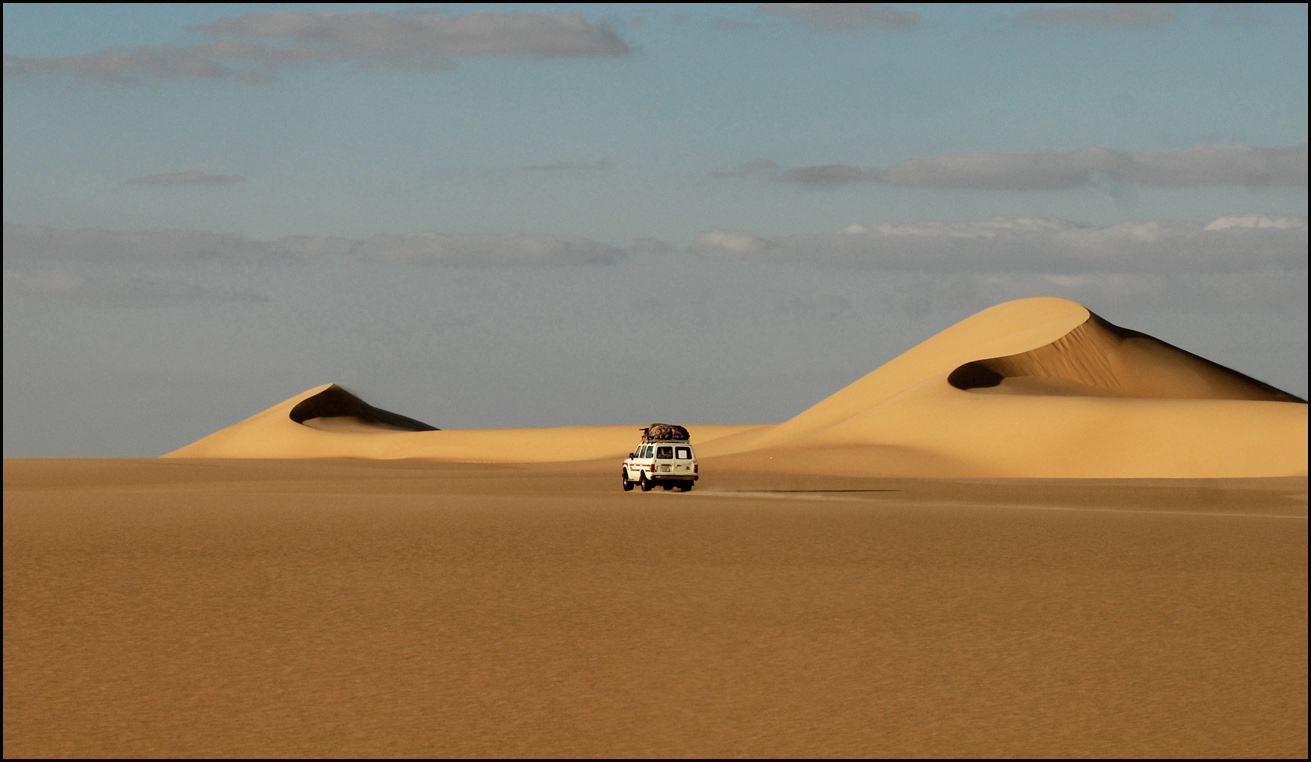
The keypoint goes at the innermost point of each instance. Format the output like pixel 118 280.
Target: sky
pixel 538 215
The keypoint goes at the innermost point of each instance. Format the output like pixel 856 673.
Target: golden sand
pixel 330 607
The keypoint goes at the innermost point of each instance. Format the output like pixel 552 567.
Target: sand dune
pixel 274 433
pixel 1031 388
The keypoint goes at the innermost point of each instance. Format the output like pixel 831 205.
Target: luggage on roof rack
pixel 663 432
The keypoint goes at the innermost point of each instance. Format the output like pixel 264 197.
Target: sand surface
pixel 393 607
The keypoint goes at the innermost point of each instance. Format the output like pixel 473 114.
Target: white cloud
pixel 720 242
pixel 404 39
pixel 46 244
pixel 1258 221
pixel 1031 245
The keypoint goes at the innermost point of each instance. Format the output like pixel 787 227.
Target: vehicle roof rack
pixel 664 432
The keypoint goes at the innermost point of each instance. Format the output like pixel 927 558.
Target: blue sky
pixel 713 136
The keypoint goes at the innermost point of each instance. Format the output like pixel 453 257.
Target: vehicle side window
pixel 684 453
pixel 642 452
pixel 664 452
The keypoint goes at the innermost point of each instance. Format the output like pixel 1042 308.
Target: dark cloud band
pixel 1253 166
pixel 189 177
pixel 254 47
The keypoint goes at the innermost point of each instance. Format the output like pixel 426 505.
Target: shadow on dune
pixel 1102 359
pixel 336 402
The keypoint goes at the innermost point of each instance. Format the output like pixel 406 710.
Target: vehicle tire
pixel 628 486
pixel 685 488
pixel 645 485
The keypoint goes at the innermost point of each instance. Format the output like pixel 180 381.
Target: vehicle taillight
pixel 696 467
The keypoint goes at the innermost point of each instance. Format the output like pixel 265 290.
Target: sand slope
pixel 1031 388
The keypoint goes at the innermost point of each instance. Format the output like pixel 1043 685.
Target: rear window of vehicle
pixel 664 452
pixel 684 453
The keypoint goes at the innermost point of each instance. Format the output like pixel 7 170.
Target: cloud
pixel 829 174
pixel 189 177
pixel 488 250
pixel 255 46
pixel 47 244
pixel 1108 16
pixel 993 171
pixel 724 242
pixel 1273 166
pixel 38 242
pixel 844 17
pixel 1258 221
pixel 746 168
pixel 577 166
pixel 1035 245
pixel 244 62
pixel 118 290
pixel 423 40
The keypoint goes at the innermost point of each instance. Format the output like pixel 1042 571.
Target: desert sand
pixel 1034 534
pixel 403 607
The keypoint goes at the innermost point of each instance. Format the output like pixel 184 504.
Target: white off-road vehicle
pixel 664 458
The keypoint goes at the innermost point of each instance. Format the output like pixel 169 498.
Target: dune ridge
pixel 1033 388
pixel 1101 358
pixel 336 402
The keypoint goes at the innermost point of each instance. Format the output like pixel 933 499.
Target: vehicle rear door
pixel 684 462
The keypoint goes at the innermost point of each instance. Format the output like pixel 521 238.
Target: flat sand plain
pixel 353 607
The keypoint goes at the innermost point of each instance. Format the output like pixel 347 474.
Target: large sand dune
pixel 1032 388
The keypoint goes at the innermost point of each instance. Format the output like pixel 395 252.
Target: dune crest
pixel 1101 359
pixel 1034 388
pixel 335 403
